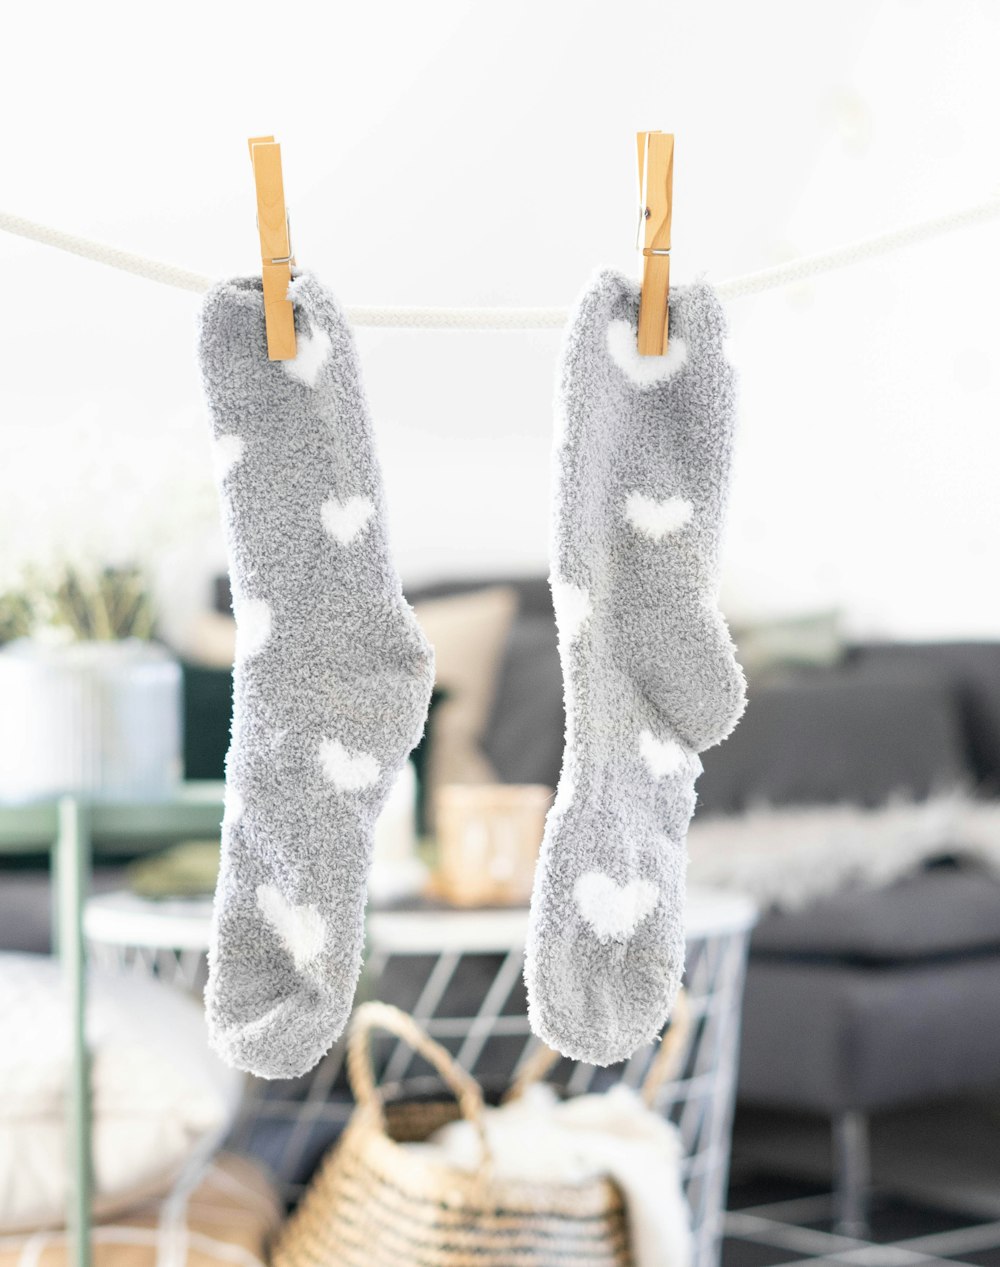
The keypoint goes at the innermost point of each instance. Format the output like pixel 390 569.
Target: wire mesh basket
pixel 458 974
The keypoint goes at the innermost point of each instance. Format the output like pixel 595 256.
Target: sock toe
pixel 284 1041
pixel 601 1003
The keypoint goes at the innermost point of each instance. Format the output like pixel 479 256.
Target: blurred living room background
pixel 453 155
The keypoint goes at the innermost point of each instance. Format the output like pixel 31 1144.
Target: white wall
pixel 463 153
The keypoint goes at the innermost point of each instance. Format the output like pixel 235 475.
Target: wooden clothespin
pixel 656 192
pixel 275 247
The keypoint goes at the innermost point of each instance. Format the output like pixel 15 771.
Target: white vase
pixel 100 719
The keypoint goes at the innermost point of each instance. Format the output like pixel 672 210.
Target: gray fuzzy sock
pixel 642 472
pixel 332 678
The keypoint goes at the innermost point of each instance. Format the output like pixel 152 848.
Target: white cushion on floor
pixel 159 1095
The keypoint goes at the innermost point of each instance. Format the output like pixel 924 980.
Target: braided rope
pixel 113 256
pixel 460 318
pixel 755 283
pixel 856 252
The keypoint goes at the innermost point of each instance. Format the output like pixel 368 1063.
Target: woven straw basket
pixel 376 1204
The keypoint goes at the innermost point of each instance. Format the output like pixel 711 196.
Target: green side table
pixel 67 830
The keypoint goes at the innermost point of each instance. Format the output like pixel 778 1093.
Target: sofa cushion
pixel 469 635
pixel 972 671
pixel 941 911
pixel 524 739
pixel 859 733
pixel 208 707
pixel 533 593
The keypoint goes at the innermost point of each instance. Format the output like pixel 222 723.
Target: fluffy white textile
pixel 542 1139
pixel 790 857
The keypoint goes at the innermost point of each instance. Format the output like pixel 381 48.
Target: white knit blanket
pixel 790 857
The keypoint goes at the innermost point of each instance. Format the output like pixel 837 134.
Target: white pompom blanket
pixel 790 857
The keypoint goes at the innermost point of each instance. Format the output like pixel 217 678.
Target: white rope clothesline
pixel 523 318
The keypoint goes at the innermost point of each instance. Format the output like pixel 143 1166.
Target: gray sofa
pixel 864 1001
pixel 871 999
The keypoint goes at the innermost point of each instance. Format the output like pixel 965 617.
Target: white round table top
pixel 125 919
pixel 709 913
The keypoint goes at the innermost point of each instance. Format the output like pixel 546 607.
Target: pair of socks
pixel 333 676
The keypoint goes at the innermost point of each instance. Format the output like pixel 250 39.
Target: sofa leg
pixel 852 1173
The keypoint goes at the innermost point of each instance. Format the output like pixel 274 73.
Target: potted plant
pixel 90 703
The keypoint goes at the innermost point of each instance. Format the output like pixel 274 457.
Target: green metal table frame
pixel 67 830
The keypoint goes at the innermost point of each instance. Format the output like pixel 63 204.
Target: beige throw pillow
pixel 469 634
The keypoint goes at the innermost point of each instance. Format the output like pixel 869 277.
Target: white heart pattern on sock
pixel 644 371
pixel 311 351
pixel 226 452
pixel 253 626
pixel 345 520
pixel 348 771
pixel 300 928
pixel 663 756
pixel 573 609
pixel 233 805
pixel 657 518
pixel 614 911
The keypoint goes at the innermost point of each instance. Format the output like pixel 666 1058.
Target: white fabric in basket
pixel 542 1139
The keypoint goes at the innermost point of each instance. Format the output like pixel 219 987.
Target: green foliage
pixel 111 605
pixel 16 619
